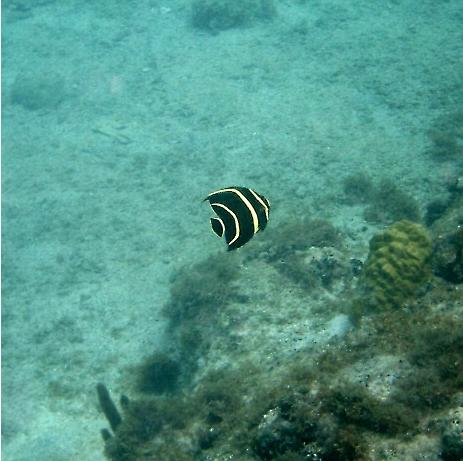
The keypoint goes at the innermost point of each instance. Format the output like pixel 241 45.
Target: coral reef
pixel 397 264
pixel 238 392
pixel 316 267
pixel 217 15
pixel 306 412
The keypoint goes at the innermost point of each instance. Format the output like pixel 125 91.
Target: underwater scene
pixel 232 230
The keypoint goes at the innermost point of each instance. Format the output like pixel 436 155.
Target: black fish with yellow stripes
pixel 241 213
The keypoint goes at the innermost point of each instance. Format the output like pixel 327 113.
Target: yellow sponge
pixel 397 264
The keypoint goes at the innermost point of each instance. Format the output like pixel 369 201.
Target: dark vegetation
pixel 386 203
pixel 447 230
pixel 299 409
pixel 307 412
pixel 389 204
pixel 158 374
pixel 217 15
pixel 299 235
pixel 446 137
pixel 357 188
pixel 434 210
pixel 200 293
pixel 306 251
pixel 449 262
pixel 141 422
pixel 452 442
pixel 35 92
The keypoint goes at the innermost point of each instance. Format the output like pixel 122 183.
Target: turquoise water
pixel 120 117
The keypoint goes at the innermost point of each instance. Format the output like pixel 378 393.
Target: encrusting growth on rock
pixel 397 264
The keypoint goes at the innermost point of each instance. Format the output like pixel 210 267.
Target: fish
pixel 241 213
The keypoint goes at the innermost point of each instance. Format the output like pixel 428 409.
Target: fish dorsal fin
pixel 217 226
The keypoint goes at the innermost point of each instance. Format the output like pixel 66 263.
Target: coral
pixel 386 384
pixel 397 264
pixel 217 15
pixel 108 407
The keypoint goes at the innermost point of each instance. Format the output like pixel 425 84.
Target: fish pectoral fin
pixel 217 226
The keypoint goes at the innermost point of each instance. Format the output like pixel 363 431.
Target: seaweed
pixel 299 235
pixel 389 204
pixel 436 356
pixel 198 291
pixel 311 412
pixel 158 374
pixel 142 421
pixel 217 15
pixel 304 407
pixel 434 210
pixel 447 258
pixel 35 92
pixel 446 137
pixel 353 405
pixel 357 188
pixel 198 295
